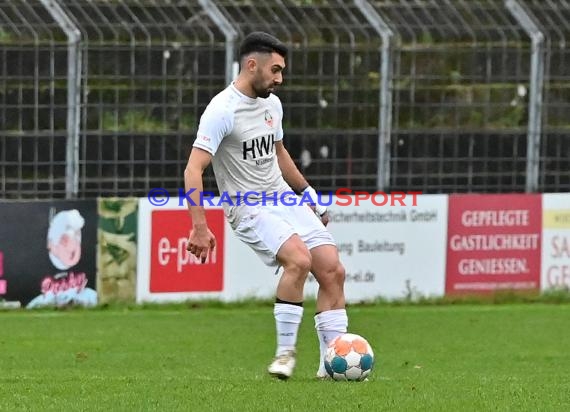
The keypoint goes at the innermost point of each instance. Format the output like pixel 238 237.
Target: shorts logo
pixel 268 119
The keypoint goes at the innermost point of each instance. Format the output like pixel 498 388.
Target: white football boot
pixel 283 365
pixel 323 376
pixel 322 373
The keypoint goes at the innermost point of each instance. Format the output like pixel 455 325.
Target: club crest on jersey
pixel 268 119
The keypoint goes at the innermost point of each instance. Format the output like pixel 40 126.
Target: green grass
pixel 429 358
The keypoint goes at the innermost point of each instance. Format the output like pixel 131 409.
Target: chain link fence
pixel 460 81
pixel 33 104
pixel 438 96
pixel 553 19
pixel 330 90
pixel 149 69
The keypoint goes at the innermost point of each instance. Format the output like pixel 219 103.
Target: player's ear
pixel 251 63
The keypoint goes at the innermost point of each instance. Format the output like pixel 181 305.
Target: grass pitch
pixel 442 358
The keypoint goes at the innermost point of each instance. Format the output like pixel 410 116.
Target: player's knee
pixel 302 264
pixel 339 274
pixel 299 265
pixel 332 278
pixel 336 275
pixel 295 258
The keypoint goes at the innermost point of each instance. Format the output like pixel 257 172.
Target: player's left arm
pixel 296 180
pixel 289 169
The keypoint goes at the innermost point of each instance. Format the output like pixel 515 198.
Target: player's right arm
pixel 215 124
pixel 201 240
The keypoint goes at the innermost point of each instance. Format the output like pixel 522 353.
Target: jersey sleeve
pixel 279 107
pixel 280 124
pixel 215 124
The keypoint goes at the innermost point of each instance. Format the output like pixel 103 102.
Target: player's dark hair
pixel 262 42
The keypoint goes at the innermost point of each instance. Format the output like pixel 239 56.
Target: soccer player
pixel 241 134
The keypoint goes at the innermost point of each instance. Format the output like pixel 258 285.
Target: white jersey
pixel 240 133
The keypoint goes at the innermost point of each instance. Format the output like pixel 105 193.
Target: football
pixel 349 357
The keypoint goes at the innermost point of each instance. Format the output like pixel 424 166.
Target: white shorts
pixel 266 228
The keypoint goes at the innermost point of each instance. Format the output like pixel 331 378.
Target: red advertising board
pixel 172 267
pixel 493 243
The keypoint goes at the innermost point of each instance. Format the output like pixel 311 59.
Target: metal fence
pixel 553 20
pixel 33 102
pixel 460 77
pixel 149 70
pixel 102 97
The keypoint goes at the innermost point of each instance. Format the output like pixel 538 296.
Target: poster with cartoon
pixel 48 253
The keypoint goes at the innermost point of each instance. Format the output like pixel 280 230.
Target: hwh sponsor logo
pixel 259 147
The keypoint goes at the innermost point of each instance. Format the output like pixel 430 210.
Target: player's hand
pixel 201 241
pixel 325 218
pixel 320 210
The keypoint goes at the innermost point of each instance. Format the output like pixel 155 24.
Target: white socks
pixel 287 320
pixel 329 325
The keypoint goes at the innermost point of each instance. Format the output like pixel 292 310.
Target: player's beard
pixel 264 94
pixel 263 91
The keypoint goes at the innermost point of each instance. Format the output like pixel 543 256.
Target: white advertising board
pixel 555 241
pixel 392 251
pixel 388 251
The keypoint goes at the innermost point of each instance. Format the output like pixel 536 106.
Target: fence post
pixel 73 95
pixel 535 94
pixel 385 110
pixel 229 32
